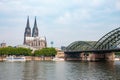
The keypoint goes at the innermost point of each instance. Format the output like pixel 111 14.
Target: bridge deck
pixel 95 51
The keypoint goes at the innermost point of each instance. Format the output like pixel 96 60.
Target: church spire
pixel 35 29
pixel 27 29
pixel 28 25
pixel 27 32
pixel 35 23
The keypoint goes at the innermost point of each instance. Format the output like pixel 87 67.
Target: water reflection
pixel 30 70
pixel 91 71
pixel 101 70
pixel 11 71
pixel 70 70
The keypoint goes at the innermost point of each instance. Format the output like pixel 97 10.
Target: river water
pixel 67 70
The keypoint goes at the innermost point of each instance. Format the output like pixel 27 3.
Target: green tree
pixel 117 53
pixel 45 52
pixel 15 51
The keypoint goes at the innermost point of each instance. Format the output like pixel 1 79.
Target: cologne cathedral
pixel 32 39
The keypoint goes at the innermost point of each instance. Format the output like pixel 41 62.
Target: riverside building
pixel 3 45
pixel 31 38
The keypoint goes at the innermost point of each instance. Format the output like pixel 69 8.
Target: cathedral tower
pixel 33 40
pixel 35 29
pixel 27 31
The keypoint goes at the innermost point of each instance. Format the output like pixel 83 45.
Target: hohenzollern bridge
pixel 103 49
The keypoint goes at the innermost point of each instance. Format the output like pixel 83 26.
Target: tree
pixel 45 52
pixel 15 51
pixel 117 53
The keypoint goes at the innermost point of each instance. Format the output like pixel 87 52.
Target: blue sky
pixel 61 21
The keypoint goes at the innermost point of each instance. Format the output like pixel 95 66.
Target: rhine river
pixel 67 70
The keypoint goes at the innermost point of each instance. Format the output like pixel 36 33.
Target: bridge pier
pixel 93 56
pixel 96 57
pixel 100 56
pixel 77 56
pixel 110 56
pixel 74 56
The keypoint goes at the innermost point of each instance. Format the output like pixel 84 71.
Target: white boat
pixel 58 59
pixel 13 58
pixel 117 59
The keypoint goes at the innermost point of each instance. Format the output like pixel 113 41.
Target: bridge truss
pixel 80 45
pixel 109 41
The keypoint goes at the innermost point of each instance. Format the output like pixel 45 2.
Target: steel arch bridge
pixel 109 41
pixel 80 45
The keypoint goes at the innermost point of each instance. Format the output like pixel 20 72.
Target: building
pixel 32 39
pixel 3 45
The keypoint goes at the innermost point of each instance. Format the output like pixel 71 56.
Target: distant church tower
pixel 33 40
pixel 27 31
pixel 35 29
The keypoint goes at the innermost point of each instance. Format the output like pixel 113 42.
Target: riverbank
pixel 30 58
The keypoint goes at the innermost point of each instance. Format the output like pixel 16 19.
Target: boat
pixel 117 59
pixel 58 59
pixel 14 58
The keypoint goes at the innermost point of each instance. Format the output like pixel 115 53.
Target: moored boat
pixel 58 59
pixel 14 58
pixel 117 59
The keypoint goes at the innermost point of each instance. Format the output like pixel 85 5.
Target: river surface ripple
pixel 67 70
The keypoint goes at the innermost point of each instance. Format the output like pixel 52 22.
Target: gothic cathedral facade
pixel 32 39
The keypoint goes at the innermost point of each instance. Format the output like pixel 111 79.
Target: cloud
pixel 118 4
pixel 62 21
pixel 74 17
pixel 97 2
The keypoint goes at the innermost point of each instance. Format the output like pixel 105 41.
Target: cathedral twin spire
pixel 35 29
pixel 28 29
pixel 31 38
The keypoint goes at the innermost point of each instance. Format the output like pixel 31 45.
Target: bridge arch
pixel 79 45
pixel 109 41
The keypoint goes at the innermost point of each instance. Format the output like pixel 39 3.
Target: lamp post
pixel 51 43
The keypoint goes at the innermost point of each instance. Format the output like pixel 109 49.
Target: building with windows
pixel 31 38
pixel 3 45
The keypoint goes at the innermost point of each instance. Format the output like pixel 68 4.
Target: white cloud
pixel 74 17
pixel 117 4
pixel 44 7
pixel 59 20
pixel 97 2
pixel 65 19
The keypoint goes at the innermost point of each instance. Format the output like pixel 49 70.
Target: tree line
pixel 45 52
pixel 27 52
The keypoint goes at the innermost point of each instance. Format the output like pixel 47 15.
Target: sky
pixel 60 21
